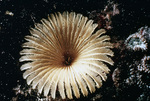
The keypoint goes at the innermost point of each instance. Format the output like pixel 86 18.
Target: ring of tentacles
pixel 66 54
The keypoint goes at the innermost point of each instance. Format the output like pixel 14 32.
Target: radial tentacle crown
pixel 64 53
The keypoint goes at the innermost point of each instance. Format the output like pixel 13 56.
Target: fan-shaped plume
pixel 64 53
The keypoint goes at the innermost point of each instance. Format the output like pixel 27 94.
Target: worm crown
pixel 64 54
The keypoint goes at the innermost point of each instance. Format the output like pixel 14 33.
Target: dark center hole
pixel 147 63
pixel 68 59
pixel 146 78
pixel 135 41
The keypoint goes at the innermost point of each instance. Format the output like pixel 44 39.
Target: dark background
pixel 133 15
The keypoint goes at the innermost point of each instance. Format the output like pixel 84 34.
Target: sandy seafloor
pixel 14 27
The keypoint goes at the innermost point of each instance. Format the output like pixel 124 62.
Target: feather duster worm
pixel 136 42
pixel 64 53
pixel 145 64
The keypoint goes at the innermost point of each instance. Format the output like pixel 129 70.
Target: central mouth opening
pixel 145 78
pixel 147 63
pixel 68 59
